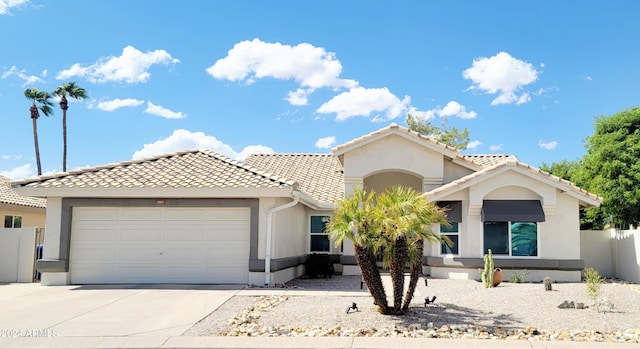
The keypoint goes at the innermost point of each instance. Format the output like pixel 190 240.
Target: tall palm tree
pixel 73 91
pixel 355 219
pixel 406 222
pixel 40 102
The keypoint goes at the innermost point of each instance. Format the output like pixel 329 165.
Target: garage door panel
pixel 140 214
pixel 139 254
pixel 97 214
pixel 183 255
pixel 140 234
pixel 227 234
pixel 188 215
pixel 224 275
pixel 96 234
pixel 89 253
pixel 228 214
pixel 187 234
pixel 160 245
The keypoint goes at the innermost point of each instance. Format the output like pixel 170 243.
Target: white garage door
pixel 159 245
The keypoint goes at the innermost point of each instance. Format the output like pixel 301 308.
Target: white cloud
pixel 161 111
pixel 21 74
pixel 547 145
pixel 185 140
pixel 11 157
pixel 452 108
pixel 360 101
pixel 311 67
pixel 501 74
pixel 252 149
pixel 24 171
pixel 495 147
pixel 297 97
pixel 131 67
pixel 473 144
pixel 117 103
pixel 589 78
pixel 326 142
pixel 6 5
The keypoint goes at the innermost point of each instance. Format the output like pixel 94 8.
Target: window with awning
pixel 512 211
pixel 511 227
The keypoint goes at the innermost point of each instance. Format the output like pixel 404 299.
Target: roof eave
pixel 230 192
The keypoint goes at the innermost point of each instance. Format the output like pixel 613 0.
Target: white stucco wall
pixel 289 238
pixel 17 250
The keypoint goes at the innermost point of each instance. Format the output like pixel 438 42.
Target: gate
pixel 38 252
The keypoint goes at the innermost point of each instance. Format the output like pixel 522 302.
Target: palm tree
pixel 73 91
pixel 355 219
pixel 406 222
pixel 41 101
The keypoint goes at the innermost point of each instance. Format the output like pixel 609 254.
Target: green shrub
pixel 517 278
pixel 594 281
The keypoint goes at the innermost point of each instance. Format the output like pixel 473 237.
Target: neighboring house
pixel 198 217
pixel 18 211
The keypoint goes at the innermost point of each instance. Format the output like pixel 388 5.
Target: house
pixel 20 211
pixel 199 217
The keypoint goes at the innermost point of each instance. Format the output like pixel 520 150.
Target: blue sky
pixel 525 77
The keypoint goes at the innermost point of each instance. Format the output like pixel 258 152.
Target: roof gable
pixel 10 197
pixel 187 169
pixel 589 199
pixel 424 141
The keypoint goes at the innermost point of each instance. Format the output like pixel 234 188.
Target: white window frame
pixel 509 247
pixel 456 233
pixel 310 234
pixel 13 221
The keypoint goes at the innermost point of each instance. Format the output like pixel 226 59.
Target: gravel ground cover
pixel 463 309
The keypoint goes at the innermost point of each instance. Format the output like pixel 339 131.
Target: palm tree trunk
pixel 64 140
pixel 35 140
pixel 396 270
pixel 416 272
pixel 371 276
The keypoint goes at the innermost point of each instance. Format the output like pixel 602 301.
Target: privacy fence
pixel 614 253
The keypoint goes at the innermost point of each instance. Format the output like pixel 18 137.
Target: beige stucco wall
pixel 393 153
pixel 454 171
pixel 31 216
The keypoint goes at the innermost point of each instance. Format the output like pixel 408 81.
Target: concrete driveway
pixel 106 311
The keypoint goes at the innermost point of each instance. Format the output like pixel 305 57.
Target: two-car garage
pixel 190 245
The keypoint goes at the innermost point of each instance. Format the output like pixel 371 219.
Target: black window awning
pixel 512 211
pixel 453 210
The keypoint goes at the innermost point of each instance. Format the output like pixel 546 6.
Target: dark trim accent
pixel 348 260
pixel 277 264
pixel 506 263
pixel 51 265
pixel 69 203
pixel 453 210
pixel 512 211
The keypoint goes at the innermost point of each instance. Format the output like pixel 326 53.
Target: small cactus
pixel 487 272
pixel 547 283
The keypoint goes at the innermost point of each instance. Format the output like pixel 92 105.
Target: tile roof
pixel 188 169
pixel 318 175
pixel 486 172
pixel 10 197
pixel 489 159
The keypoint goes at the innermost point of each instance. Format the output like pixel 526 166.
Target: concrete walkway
pixel 34 316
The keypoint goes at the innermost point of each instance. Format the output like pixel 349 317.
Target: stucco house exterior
pixel 17 211
pixel 199 217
